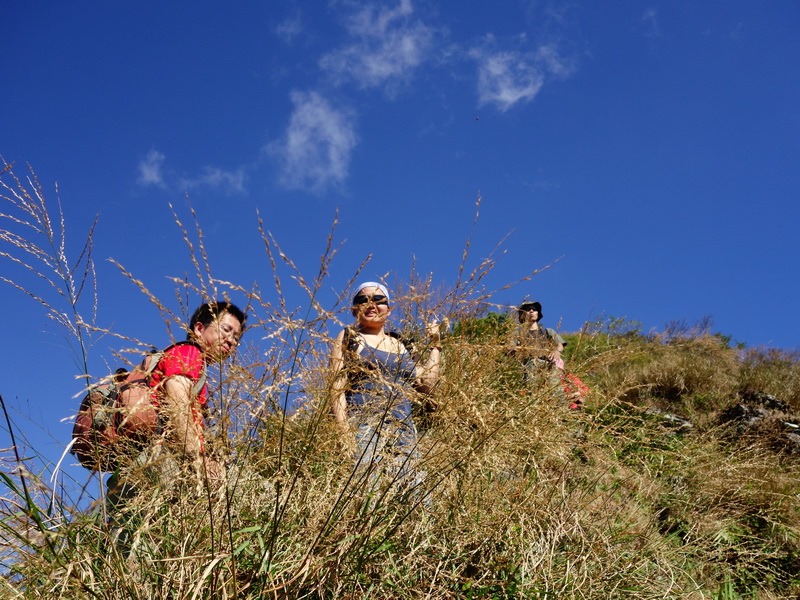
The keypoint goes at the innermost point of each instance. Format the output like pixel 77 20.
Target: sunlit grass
pixel 522 497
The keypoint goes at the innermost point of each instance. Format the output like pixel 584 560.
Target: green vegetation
pixel 654 490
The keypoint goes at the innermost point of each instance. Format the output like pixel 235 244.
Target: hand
pixel 557 360
pixel 434 331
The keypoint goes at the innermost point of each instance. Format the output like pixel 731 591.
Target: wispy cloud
pixel 384 46
pixel 150 169
pixel 152 173
pixel 387 46
pixel 288 29
pixel 553 62
pixel 509 77
pixel 505 79
pixel 314 153
pixel 230 181
pixel 650 22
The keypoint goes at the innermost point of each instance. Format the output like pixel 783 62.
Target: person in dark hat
pixel 540 349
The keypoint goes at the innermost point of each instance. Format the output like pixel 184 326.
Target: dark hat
pixel 526 306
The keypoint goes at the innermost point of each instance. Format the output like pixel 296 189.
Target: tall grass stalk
pixel 521 497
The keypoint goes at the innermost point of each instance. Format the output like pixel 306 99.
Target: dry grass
pixel 522 498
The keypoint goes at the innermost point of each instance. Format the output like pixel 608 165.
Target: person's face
pixel 531 315
pixel 219 338
pixel 371 307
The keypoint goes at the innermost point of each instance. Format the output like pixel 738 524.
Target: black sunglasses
pixel 529 307
pixel 377 299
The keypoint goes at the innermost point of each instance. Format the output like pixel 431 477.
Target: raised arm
pixel 428 374
pixel 339 386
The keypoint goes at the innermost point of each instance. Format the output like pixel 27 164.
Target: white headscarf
pixel 374 284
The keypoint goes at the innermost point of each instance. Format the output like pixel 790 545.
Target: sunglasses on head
pixel 376 299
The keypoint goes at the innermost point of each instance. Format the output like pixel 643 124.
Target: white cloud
pixel 509 77
pixel 387 47
pixel 553 62
pixel 315 152
pixel 150 172
pixel 290 28
pixel 233 181
pixel 370 21
pixel 506 78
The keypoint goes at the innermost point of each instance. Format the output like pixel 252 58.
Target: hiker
pixel 375 379
pixel 540 349
pixel 179 442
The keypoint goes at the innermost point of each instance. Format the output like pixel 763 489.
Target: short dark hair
pixel 210 311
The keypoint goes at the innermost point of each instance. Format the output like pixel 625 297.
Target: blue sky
pixel 650 148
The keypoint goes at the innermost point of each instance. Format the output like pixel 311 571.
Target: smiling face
pixel 219 338
pixel 371 308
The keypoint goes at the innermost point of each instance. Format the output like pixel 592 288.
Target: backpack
pixel 118 414
pixel 574 389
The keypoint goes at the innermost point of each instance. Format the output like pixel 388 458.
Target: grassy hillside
pixel 678 479
pixel 658 488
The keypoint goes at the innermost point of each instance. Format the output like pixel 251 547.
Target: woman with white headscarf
pixel 375 382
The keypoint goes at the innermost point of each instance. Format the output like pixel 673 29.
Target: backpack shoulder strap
pixel 201 381
pixel 349 341
pixel 350 362
pixel 150 362
pixel 140 373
